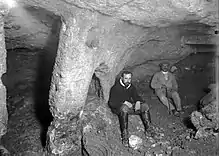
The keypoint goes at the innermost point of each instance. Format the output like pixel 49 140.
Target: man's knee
pixel 124 109
pixel 144 107
pixel 160 94
pixel 163 98
pixel 175 95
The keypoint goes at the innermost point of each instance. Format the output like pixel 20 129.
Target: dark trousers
pixel 125 111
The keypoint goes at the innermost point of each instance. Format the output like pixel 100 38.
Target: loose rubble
pixel 206 120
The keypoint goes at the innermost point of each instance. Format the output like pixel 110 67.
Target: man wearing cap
pixel 165 85
pixel 123 101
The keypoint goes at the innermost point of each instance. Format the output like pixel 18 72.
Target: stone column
pixel 3 108
pixel 71 78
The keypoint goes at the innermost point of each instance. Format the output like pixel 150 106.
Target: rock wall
pixel 145 13
pixel 168 43
pixel 158 45
pixel 117 31
pixel 206 120
pixel 3 109
pixel 31 27
pixel 82 52
pixel 29 23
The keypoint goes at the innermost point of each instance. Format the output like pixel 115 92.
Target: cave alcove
pixel 29 70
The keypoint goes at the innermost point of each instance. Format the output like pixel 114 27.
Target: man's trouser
pixel 123 113
pixel 163 95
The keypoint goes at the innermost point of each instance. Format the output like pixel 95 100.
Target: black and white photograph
pixel 109 78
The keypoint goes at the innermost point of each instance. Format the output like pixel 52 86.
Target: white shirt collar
pixel 165 72
pixel 124 84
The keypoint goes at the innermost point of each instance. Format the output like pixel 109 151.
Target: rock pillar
pixel 72 74
pixel 3 108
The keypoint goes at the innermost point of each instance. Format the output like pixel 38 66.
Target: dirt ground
pixel 29 115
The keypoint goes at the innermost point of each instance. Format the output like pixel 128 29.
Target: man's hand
pixel 137 105
pixel 128 104
pixel 163 86
pixel 172 90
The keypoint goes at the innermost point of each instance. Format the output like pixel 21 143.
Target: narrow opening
pixel 30 60
pixel 95 88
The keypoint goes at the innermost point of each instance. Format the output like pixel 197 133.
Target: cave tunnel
pixel 59 59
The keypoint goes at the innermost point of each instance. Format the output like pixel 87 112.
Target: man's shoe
pixel 125 142
pixel 150 132
pixel 177 113
pixel 170 112
pixel 125 138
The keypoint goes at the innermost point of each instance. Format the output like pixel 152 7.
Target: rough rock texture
pixel 34 23
pixel 27 86
pixel 25 129
pixel 207 119
pixel 3 109
pixel 43 26
pixel 31 27
pixel 76 62
pixel 102 135
pixel 147 13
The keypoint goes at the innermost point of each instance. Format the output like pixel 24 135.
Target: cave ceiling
pixel 38 19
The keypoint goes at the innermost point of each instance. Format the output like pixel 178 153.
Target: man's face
pixel 126 79
pixel 165 67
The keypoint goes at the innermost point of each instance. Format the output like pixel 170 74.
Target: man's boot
pixel 146 120
pixel 125 139
pixel 123 121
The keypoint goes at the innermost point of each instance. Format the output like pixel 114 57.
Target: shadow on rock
pixel 188 123
pixel 42 87
pixel 45 68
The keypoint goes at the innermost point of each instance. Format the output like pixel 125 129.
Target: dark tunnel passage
pixel 27 82
pixel 28 76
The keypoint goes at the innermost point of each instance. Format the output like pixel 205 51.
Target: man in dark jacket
pixel 124 100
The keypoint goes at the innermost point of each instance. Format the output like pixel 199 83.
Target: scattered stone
pixel 207 119
pixel 168 150
pixel 87 128
pixel 153 145
pixel 175 150
pixel 151 140
pixel 135 142
pixel 188 137
pixel 192 152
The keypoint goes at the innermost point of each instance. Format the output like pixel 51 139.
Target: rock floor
pixel 29 116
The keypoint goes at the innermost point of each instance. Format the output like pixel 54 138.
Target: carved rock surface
pixel 31 27
pixel 101 131
pixel 147 13
pixel 3 109
pixel 36 23
pixel 208 117
pixel 129 26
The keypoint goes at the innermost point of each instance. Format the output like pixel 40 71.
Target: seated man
pixel 123 101
pixel 165 85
